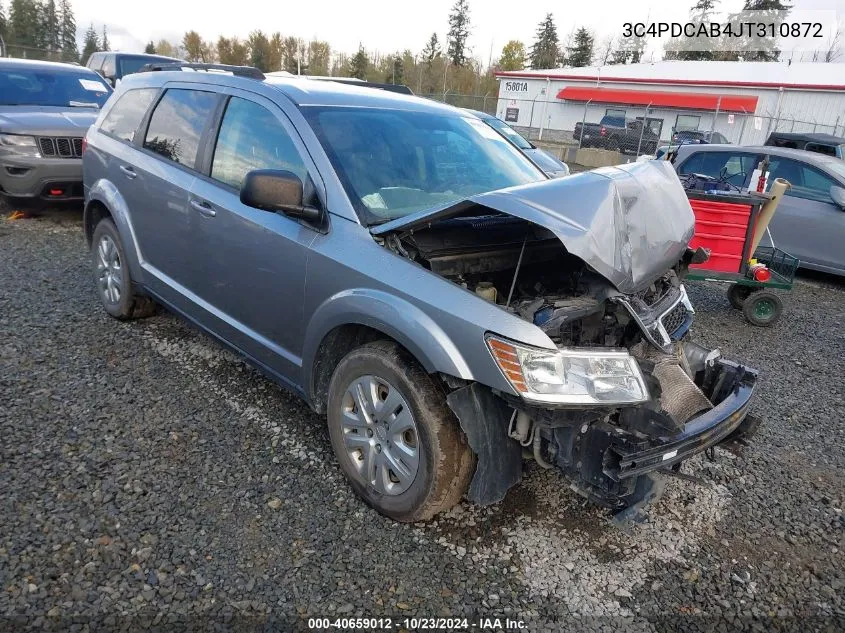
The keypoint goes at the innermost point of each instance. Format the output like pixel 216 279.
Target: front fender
pixel 104 192
pixel 407 324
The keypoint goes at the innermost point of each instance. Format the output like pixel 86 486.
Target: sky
pixel 380 25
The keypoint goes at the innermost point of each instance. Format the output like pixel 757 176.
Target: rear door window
pixel 731 167
pixel 251 137
pixel 177 124
pixel 124 118
pixel 821 148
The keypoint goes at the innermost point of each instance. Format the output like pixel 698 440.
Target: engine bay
pixel 525 270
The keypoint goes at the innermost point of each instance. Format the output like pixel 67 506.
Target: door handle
pixel 203 207
pixel 128 171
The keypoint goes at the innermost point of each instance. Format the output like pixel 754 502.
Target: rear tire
pixel 738 293
pixel 396 439
pixel 112 278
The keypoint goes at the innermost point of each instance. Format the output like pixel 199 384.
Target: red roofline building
pixel 741 100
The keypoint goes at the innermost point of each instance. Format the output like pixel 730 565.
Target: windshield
pixel 41 87
pixel 836 167
pixel 509 133
pixel 395 162
pixel 129 65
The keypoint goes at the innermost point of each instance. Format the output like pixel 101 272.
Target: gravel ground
pixel 149 477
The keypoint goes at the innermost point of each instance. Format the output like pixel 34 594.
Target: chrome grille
pixel 61 147
pixel 675 318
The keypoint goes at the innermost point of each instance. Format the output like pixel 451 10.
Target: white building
pixel 742 100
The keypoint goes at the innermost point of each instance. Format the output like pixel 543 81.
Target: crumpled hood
pixel 46 120
pixel 630 223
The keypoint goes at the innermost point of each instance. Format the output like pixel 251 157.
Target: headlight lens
pixel 570 376
pixel 19 145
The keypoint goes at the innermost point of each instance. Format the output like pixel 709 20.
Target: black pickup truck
pixel 617 133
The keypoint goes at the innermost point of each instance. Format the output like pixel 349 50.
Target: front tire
pixel 763 309
pixel 396 439
pixel 111 275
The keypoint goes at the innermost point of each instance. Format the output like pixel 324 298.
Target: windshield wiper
pixel 83 104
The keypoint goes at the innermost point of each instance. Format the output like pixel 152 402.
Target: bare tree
pixel 605 49
pixel 834 51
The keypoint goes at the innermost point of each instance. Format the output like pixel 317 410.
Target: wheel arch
pixel 104 200
pixel 355 318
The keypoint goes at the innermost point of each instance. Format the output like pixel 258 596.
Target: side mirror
pixel 279 191
pixel 838 195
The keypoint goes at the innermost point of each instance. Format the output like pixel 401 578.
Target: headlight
pixel 570 376
pixel 18 145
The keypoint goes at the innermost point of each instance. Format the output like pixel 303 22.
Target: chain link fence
pixel 630 131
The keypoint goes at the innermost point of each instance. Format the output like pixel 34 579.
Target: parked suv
pixel 412 275
pixel 45 110
pixel 826 144
pixel 114 66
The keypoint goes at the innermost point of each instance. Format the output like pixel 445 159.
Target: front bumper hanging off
pixel 606 461
pixel 724 422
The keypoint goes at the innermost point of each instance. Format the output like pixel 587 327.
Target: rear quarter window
pixel 125 116
pixel 177 124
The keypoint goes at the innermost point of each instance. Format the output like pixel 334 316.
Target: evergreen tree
pixel 431 50
pixel 3 27
pixel 458 33
pixel 679 48
pixel 104 45
pixel 513 56
pixel 67 32
pixel 772 10
pixel 259 50
pixel 150 48
pixel 50 29
pixel 92 44
pixel 581 51
pixel 359 63
pixel 630 51
pixel 545 52
pixel 24 29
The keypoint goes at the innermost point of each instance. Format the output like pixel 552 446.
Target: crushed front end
pixel 595 261
pixel 682 398
pixel 695 398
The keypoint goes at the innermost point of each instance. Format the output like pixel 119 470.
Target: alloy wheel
pixel 109 270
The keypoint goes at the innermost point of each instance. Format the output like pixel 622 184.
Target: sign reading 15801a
pixel 516 86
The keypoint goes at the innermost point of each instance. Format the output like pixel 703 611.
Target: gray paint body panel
pixel 631 223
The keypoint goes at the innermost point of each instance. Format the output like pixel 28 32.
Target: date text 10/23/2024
pixel 417 624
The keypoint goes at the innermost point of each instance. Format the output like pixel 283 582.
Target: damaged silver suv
pixel 410 274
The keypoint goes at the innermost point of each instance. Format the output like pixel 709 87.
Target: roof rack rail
pixel 240 71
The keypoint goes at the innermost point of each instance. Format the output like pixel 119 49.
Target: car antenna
pixel 516 272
